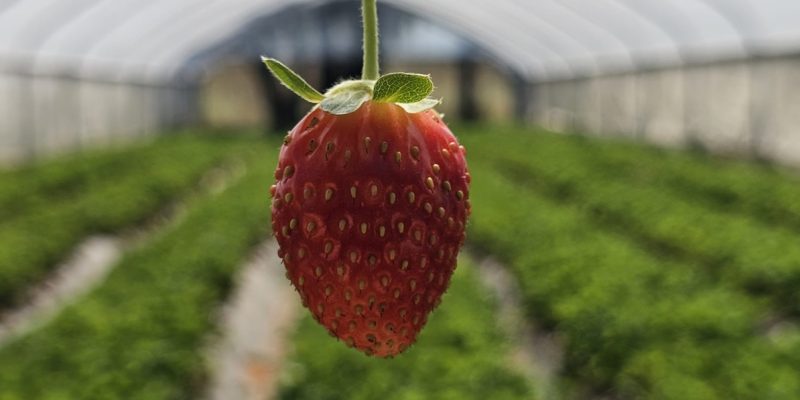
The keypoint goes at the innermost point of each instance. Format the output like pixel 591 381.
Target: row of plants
pixel 39 237
pixel 766 192
pixel 634 325
pixel 33 187
pixel 736 248
pixel 461 354
pixel 141 334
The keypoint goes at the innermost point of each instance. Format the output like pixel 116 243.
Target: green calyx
pixel 407 90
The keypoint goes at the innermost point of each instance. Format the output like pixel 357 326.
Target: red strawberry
pixel 370 204
pixel 369 211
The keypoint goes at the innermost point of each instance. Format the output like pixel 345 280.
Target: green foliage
pixel 669 275
pixel 32 188
pixel 460 355
pixel 669 221
pixel 92 194
pixel 638 318
pixel 140 335
pixel 766 192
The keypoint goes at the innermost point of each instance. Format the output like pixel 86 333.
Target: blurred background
pixel 636 195
pixel 717 73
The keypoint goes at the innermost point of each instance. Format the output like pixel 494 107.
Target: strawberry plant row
pixel 140 335
pixel 460 355
pixel 766 192
pixel 35 187
pixel 636 325
pixel 737 249
pixel 32 243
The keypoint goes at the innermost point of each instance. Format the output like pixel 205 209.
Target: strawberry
pixel 370 205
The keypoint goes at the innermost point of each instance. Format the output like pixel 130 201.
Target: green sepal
pixel 346 97
pixel 420 106
pixel 402 87
pixel 293 81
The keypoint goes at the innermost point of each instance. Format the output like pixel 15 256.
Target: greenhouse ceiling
pixel 539 39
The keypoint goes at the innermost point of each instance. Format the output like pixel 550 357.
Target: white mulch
pixel 246 360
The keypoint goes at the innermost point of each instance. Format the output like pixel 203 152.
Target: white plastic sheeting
pixel 541 39
pixel 719 73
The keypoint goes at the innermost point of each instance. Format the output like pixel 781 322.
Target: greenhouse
pixel 625 173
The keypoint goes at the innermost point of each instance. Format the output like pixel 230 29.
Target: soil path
pixel 536 353
pixel 246 360
pixel 88 265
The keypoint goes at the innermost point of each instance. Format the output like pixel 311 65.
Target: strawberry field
pixel 662 274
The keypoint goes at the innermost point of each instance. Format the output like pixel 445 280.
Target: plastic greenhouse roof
pixel 540 39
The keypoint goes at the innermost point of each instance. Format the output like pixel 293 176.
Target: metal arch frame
pixel 177 48
pixel 504 52
pixel 248 34
pixel 122 72
pixel 656 24
pixel 517 43
pixel 37 51
pixel 594 25
pixel 640 15
pixel 566 34
pixel 413 11
pixel 61 28
pixel 109 35
pixel 552 30
pixel 636 61
pixel 734 21
pixel 528 39
pixel 64 30
pixel 678 37
pixel 184 44
pixel 170 38
pixel 253 31
pixel 66 20
pixel 734 15
pixel 687 40
pixel 499 48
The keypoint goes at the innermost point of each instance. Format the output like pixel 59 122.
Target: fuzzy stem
pixel 370 16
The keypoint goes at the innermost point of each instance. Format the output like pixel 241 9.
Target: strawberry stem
pixel 369 14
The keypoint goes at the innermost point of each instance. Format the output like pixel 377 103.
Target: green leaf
pixel 344 102
pixel 402 88
pixel 420 106
pixel 291 80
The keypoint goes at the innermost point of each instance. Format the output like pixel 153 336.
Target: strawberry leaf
pixel 292 81
pixel 402 88
pixel 420 106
